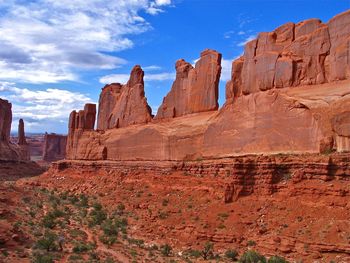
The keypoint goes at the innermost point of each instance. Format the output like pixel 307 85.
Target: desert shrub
pixel 207 251
pixel 165 202
pixel 194 253
pixel 48 221
pixel 81 247
pixel 109 227
pixel 108 240
pixel 97 215
pixel 251 243
pixel 47 242
pixel 231 254
pixel 42 258
pixel 73 200
pixel 84 201
pixel 277 259
pixel 252 256
pixel 166 250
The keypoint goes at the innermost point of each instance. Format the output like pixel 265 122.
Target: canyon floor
pixel 109 215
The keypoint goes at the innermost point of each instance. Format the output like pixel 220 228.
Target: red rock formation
pixel 195 89
pixel 8 150
pixel 6 120
pixel 306 53
pixel 124 105
pixel 21 134
pixel 54 147
pixel 307 117
pixel 80 129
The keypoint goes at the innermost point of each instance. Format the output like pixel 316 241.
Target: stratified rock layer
pixel 124 105
pixel 195 89
pixel 54 147
pixel 306 53
pixel 8 150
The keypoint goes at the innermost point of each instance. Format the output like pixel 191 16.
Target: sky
pixel 55 56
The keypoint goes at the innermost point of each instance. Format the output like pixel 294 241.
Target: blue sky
pixel 57 55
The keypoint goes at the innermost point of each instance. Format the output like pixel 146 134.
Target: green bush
pixel 231 254
pixel 42 258
pixel 108 240
pixel 97 215
pixel 48 221
pixel 109 228
pixel 277 259
pixel 47 242
pixel 166 250
pixel 207 251
pixel 252 256
pixel 81 247
pixel 194 253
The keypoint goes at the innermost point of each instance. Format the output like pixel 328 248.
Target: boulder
pixel 195 89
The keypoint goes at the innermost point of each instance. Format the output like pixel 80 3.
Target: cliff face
pixel 306 53
pixel 9 151
pixel 195 89
pixel 54 147
pixel 124 105
pixel 289 93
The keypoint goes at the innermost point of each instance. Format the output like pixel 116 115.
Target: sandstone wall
pixel 54 147
pixel 306 53
pixel 289 93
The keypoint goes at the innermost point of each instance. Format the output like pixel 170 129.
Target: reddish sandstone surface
pixel 252 124
pixel 289 93
pixel 242 202
pixel 124 105
pixel 306 53
pixel 195 89
pixel 54 147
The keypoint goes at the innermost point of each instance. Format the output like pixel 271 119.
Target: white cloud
pixel 152 68
pixel 42 108
pixel 248 39
pixel 48 41
pixel 123 78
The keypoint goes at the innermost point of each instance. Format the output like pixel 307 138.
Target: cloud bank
pixel 49 41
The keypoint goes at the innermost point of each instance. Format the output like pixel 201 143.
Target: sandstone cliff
pixel 124 105
pixel 289 93
pixel 195 89
pixel 306 53
pixel 54 147
pixel 8 150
